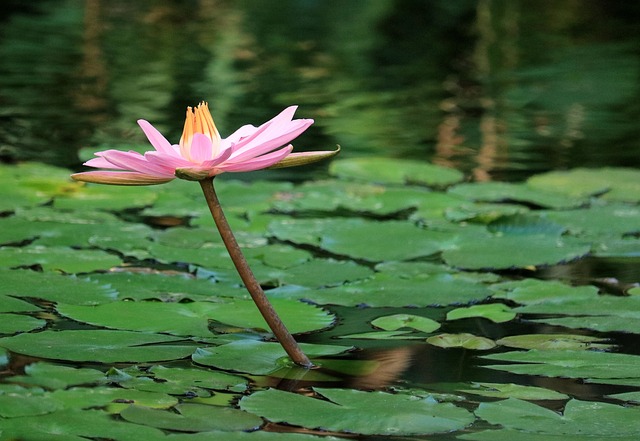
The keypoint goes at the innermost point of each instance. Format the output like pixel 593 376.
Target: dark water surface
pixel 498 89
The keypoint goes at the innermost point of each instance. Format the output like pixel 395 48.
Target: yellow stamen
pixel 199 120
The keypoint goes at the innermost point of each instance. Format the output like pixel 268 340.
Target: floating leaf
pixel 398 321
pixel 51 376
pixel 12 323
pixel 598 420
pixel 258 358
pixel 518 251
pixel 352 237
pixel 382 335
pixel 463 340
pixel 76 425
pixel 570 364
pixel 192 319
pixel 54 287
pixel 621 184
pixel 105 197
pixel 554 341
pixel 496 312
pixel 353 411
pixel 510 390
pixel 534 291
pixel 193 418
pixel 394 171
pixel 507 191
pixel 113 399
pixel 98 345
pixel 21 402
pixel 386 290
pixel 58 258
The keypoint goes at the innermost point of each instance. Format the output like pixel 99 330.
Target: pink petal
pixel 262 144
pixel 134 161
pixel 261 162
pixel 119 178
pixel 167 161
pixel 100 162
pixel 201 148
pixel 222 157
pixel 157 140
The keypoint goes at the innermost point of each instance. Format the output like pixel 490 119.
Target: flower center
pixel 199 120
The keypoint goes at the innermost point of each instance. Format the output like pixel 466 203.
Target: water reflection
pixel 500 89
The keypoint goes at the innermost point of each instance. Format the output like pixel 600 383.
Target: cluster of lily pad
pixel 124 302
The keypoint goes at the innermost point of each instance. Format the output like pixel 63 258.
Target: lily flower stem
pixel 278 328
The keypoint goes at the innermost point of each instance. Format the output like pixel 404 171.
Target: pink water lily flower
pixel 202 153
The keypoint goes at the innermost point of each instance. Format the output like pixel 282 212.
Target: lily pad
pixel 352 237
pixel 54 287
pixel 193 418
pixel 21 402
pixel 12 323
pixel 510 390
pixel 496 312
pixel 515 192
pixel 598 420
pixel 398 321
pixel 513 251
pixel 51 376
pixel 620 184
pixel 569 364
pixel 112 399
pixel 98 345
pixel 352 411
pixel 394 171
pixel 385 290
pixel 258 358
pixel 58 258
pixel 192 319
pixel 75 425
pixel 554 342
pixel 462 340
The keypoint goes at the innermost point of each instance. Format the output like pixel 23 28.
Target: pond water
pixel 504 91
pixel 498 89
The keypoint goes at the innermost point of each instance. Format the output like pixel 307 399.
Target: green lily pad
pixel 58 258
pixel 513 192
pixel 394 171
pixel 570 364
pixel 98 345
pixel 186 378
pixel 463 340
pixel 554 342
pixel 21 402
pixel 193 418
pixel 510 390
pixel 112 399
pixel 76 425
pixel 496 312
pixel 192 319
pixel 174 287
pixel 534 291
pixel 516 435
pixel 105 197
pixel 598 420
pixel 51 376
pixel 257 357
pixel 12 323
pixel 28 184
pixel 54 287
pixel 382 335
pixel 599 222
pixel 620 184
pixel 352 237
pixel 385 290
pixel 398 321
pixel 513 251
pixel 353 411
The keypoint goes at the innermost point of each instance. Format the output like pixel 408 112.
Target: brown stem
pixel 257 294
